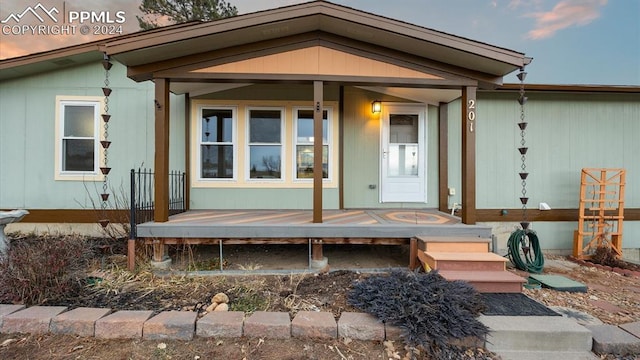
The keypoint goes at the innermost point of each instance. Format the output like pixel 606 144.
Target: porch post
pixel 316 250
pixel 161 160
pixel 469 155
pixel 317 150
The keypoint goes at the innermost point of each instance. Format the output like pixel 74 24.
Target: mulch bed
pixel 505 304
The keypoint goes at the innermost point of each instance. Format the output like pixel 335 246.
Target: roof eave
pixel 568 88
pixel 482 58
pixel 362 26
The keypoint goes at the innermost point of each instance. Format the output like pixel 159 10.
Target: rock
pixel 222 307
pixel 220 298
pixel 211 307
pixel 618 270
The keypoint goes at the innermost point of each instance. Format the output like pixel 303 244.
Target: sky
pixel 586 42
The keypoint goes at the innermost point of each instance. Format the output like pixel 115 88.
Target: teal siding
pixel 362 152
pixel 254 198
pixel 565 134
pixel 27 136
pixel 559 235
pixel 432 156
pixel 361 140
pixel 13 106
pixel 455 151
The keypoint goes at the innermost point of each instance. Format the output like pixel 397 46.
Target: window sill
pixel 79 177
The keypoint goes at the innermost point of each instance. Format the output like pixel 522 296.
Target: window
pixel 403 145
pixel 78 135
pixel 304 139
pixel 265 144
pixel 259 144
pixel 217 128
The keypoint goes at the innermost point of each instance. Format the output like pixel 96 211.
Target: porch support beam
pixel 317 150
pixel 161 159
pixel 187 153
pixel 469 155
pixel 316 251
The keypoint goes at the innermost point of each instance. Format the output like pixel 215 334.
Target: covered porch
pixel 325 65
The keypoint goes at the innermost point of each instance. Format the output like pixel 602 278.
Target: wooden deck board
pixel 481 276
pixel 338 224
pixel 448 239
pixel 468 256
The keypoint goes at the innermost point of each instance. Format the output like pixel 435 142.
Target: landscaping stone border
pixel 184 325
pixel 624 272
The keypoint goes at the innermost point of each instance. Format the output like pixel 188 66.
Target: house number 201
pixel 471 114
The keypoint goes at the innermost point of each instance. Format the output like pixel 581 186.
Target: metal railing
pixel 142 196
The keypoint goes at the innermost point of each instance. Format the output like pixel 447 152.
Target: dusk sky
pixel 571 41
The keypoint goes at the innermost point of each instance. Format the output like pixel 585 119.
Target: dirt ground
pixel 610 297
pixel 108 285
pixel 69 347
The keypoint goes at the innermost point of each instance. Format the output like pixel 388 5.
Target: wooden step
pixel 453 244
pixel 487 281
pixel 463 261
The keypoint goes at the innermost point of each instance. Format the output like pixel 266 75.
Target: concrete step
pixel 487 281
pixel 453 243
pixel 463 261
pixel 547 355
pixel 536 333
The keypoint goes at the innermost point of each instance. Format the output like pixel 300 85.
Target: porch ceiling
pixel 490 63
pixel 427 96
pixel 421 95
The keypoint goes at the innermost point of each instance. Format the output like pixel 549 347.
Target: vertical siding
pixel 362 152
pixel 565 134
pixel 27 140
pixel 361 140
pixel 455 150
pixel 256 198
pixel 497 158
pixel 12 134
pixel 432 156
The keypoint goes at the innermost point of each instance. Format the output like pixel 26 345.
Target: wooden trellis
pixel 601 212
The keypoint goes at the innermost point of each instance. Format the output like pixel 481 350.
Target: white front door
pixel 403 154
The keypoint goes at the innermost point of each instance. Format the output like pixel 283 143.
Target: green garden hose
pixel 527 241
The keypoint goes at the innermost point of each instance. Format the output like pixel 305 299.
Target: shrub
pixel 43 268
pixel 605 255
pixel 430 310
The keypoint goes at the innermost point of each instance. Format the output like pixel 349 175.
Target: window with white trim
pixel 78 137
pixel 304 140
pixel 265 143
pixel 217 143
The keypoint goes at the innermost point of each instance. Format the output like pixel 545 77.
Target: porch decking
pixel 396 226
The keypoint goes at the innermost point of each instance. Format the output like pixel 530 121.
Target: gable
pixel 151 50
pixel 317 60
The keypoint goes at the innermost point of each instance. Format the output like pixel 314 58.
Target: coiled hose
pixel 526 240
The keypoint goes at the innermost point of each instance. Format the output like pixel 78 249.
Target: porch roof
pixel 454 54
pixel 150 52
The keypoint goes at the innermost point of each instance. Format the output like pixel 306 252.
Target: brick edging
pixel 624 272
pixel 103 323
